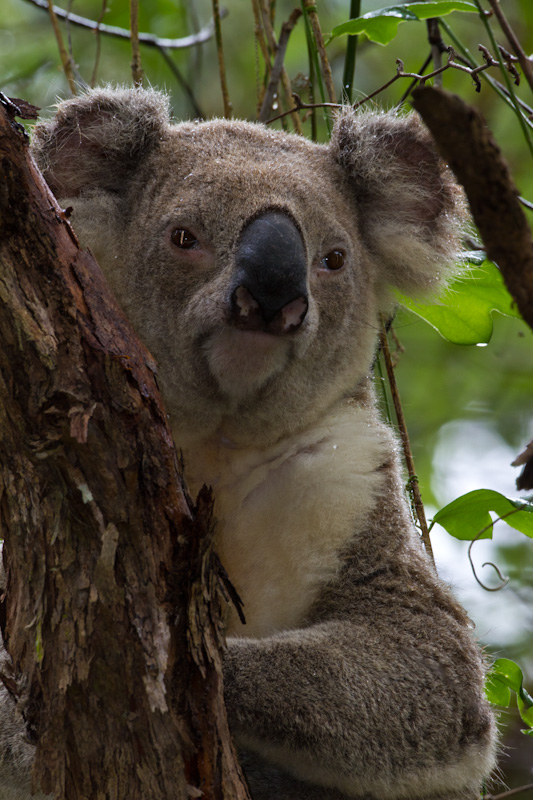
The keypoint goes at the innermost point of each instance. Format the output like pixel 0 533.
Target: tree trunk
pixel 113 600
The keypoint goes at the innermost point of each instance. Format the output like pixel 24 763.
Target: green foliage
pixel 468 516
pixel 463 314
pixel 381 26
pixel 506 676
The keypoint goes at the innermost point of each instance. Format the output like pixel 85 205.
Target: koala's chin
pixel 243 361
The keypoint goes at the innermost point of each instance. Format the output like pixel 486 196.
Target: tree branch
pixel 121 33
pixel 466 143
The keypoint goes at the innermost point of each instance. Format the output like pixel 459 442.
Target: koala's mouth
pixel 243 360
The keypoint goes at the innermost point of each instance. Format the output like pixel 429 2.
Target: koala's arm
pixel 387 701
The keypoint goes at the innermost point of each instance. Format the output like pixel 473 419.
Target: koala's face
pixel 243 270
pixel 252 263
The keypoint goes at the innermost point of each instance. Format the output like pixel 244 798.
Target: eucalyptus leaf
pixel 504 676
pixel 463 314
pixel 468 515
pixel 496 691
pixel 381 26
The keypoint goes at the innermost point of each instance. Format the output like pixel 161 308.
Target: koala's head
pixel 253 263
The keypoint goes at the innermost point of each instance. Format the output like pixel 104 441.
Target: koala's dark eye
pixel 184 239
pixel 333 260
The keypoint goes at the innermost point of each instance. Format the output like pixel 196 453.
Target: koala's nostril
pixel 290 317
pixel 245 310
pixel 247 313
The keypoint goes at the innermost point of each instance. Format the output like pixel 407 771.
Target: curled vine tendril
pixel 503 580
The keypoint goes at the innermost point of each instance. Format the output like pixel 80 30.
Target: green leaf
pixel 381 26
pixel 468 515
pixel 504 676
pixel 463 314
pixel 496 691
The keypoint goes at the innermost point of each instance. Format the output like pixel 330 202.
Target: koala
pixel 257 265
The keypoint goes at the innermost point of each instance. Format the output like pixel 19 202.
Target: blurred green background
pixel 469 409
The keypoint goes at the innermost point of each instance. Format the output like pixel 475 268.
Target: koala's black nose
pixel 269 291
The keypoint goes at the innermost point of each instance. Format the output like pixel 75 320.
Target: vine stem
pixel 414 486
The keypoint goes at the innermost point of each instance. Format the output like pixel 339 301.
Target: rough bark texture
pixel 112 609
pixel 468 146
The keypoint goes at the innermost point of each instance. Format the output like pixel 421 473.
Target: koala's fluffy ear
pixel 96 140
pixel 412 212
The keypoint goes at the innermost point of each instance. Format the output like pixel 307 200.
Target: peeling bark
pixel 114 601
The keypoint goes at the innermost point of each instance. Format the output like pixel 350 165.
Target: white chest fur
pixel 284 512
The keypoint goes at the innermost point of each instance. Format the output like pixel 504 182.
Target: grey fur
pixel 357 675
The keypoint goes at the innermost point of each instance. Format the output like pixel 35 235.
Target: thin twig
pixel 301 106
pixel 266 18
pixel 510 793
pixel 413 83
pixel 310 9
pixel 525 63
pixel 499 88
pixel 228 108
pixel 136 68
pixel 198 113
pixel 400 73
pixel 437 45
pixel 260 40
pixel 287 96
pixel 504 71
pixel 122 33
pixel 414 487
pixel 98 42
pixel 277 67
pixel 65 58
